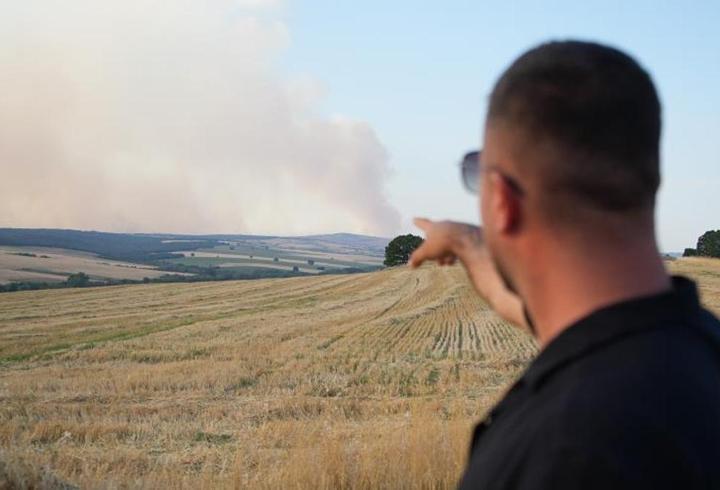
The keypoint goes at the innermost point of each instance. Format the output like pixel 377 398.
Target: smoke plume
pixel 148 115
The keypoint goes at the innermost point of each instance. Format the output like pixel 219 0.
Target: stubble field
pixel 361 381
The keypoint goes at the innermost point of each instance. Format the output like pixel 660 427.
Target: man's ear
pixel 506 205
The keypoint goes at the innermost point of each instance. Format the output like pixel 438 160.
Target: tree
pixel 78 280
pixel 690 252
pixel 708 245
pixel 399 249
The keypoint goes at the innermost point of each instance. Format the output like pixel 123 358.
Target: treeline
pixel 200 274
pixel 144 249
pixel 195 273
pixel 708 245
pixel 77 280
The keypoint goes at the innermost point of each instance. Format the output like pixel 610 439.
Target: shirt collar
pixel 613 322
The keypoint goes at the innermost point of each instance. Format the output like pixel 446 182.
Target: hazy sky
pixel 271 116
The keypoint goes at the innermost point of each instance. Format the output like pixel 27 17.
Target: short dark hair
pixel 598 110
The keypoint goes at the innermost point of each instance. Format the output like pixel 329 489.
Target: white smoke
pixel 149 115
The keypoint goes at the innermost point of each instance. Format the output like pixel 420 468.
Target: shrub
pixel 399 249
pixel 78 280
pixel 708 245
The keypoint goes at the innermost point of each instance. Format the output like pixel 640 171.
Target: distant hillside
pixel 149 247
pixel 40 258
pixel 347 241
pixel 117 246
pixel 351 240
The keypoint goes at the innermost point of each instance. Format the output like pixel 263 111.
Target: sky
pixel 295 117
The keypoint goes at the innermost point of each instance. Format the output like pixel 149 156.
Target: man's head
pixel 571 145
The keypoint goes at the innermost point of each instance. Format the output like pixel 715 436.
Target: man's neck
pixel 571 286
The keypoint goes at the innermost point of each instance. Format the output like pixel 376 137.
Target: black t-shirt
pixel 627 398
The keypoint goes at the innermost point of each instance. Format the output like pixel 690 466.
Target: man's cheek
pixel 481 208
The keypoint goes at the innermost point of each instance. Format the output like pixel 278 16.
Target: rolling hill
pixel 45 258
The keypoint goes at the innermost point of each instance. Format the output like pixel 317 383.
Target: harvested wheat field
pixel 351 381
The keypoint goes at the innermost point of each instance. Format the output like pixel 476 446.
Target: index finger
pixel 422 223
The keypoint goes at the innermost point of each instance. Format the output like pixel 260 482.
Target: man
pixel 625 392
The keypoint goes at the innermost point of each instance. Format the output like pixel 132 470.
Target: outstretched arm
pixel 448 241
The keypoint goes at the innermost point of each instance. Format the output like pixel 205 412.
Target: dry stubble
pixel 362 381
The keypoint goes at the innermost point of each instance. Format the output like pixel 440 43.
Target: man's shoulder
pixel 661 385
pixel 672 347
pixel 671 364
pixel 611 405
pixel 642 409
